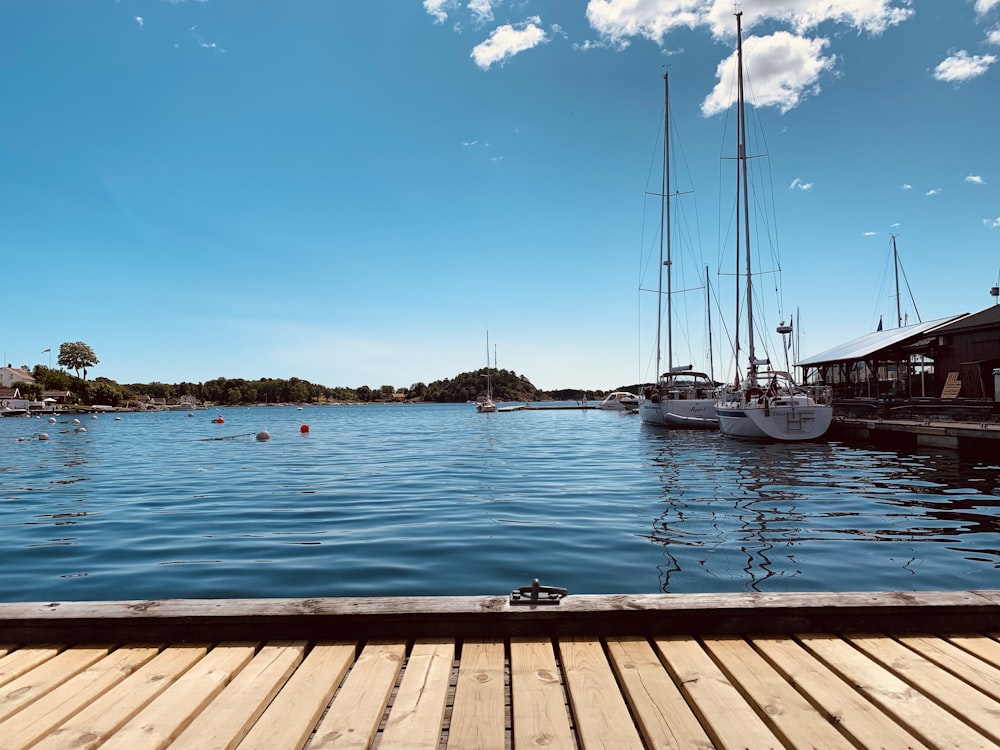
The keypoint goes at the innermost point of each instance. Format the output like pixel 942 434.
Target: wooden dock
pixel 918 433
pixel 866 670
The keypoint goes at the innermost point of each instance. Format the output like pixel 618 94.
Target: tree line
pixel 79 357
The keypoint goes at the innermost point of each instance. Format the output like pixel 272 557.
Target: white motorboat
pixel 620 401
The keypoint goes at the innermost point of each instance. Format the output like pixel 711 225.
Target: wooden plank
pixel 728 719
pixel 477 718
pixel 292 715
pixel 48 675
pixel 104 716
pixel 980 646
pixel 664 717
pixel 919 714
pixel 952 386
pixel 601 715
pixel 405 618
pixel 538 707
pixel 956 695
pixel 417 711
pixel 357 709
pixel 797 721
pixel 31 724
pixel 23 660
pixel 961 663
pixel 160 722
pixel 853 713
pixel 228 718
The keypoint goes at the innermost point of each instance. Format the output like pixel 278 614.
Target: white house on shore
pixel 10 376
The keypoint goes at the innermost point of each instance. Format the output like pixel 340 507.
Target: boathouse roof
pixel 865 346
pixel 988 318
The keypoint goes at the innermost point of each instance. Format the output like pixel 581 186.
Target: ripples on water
pixel 438 499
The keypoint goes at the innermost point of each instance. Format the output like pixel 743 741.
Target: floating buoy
pixel 20 440
pixel 304 429
pixel 43 436
pixel 93 416
pixel 80 429
pixel 119 419
pixel 219 420
pixel 76 421
pixel 190 414
pixel 52 420
pixel 263 435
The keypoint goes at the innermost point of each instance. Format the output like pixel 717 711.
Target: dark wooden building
pixel 945 358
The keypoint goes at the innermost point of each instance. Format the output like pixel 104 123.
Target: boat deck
pixel 932 680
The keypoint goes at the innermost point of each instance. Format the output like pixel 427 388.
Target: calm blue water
pixel 437 499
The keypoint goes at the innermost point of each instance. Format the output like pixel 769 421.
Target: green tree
pixel 30 391
pixel 77 356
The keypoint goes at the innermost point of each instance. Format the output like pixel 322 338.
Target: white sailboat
pixel 681 396
pixel 484 404
pixel 767 404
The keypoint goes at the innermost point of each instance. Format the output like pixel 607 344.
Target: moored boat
pixel 681 397
pixel 620 401
pixel 765 404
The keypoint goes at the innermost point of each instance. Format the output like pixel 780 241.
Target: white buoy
pixel 80 429
pixel 263 435
pixel 93 416
pixel 43 436
pixel 118 419
pixel 52 420
pixel 76 421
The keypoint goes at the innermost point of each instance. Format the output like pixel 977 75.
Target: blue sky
pixel 355 192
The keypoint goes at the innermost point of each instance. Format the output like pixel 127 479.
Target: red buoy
pixel 304 429
pixel 218 420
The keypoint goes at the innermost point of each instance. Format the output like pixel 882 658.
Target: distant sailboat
pixel 681 396
pixel 484 404
pixel 767 404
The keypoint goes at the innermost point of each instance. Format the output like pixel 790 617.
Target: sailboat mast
pixel 666 200
pixel 895 266
pixel 708 316
pixel 742 160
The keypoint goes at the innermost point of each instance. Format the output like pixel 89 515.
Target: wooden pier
pixel 919 433
pixel 863 670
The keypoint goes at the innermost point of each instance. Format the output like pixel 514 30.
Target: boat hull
pixel 697 413
pixel 650 412
pixel 785 423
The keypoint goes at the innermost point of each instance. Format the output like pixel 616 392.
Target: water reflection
pixel 819 516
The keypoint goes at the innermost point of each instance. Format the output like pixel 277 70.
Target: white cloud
pixel 869 16
pixel 906 186
pixel 984 6
pixel 617 20
pixel 869 234
pixel 961 66
pixel 993 36
pixel 933 191
pixel 992 223
pixel 507 41
pixel 975 179
pixel 139 20
pixel 481 9
pixel 798 184
pixel 438 9
pixel 782 69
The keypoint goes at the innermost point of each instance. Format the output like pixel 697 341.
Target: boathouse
pixel 944 358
